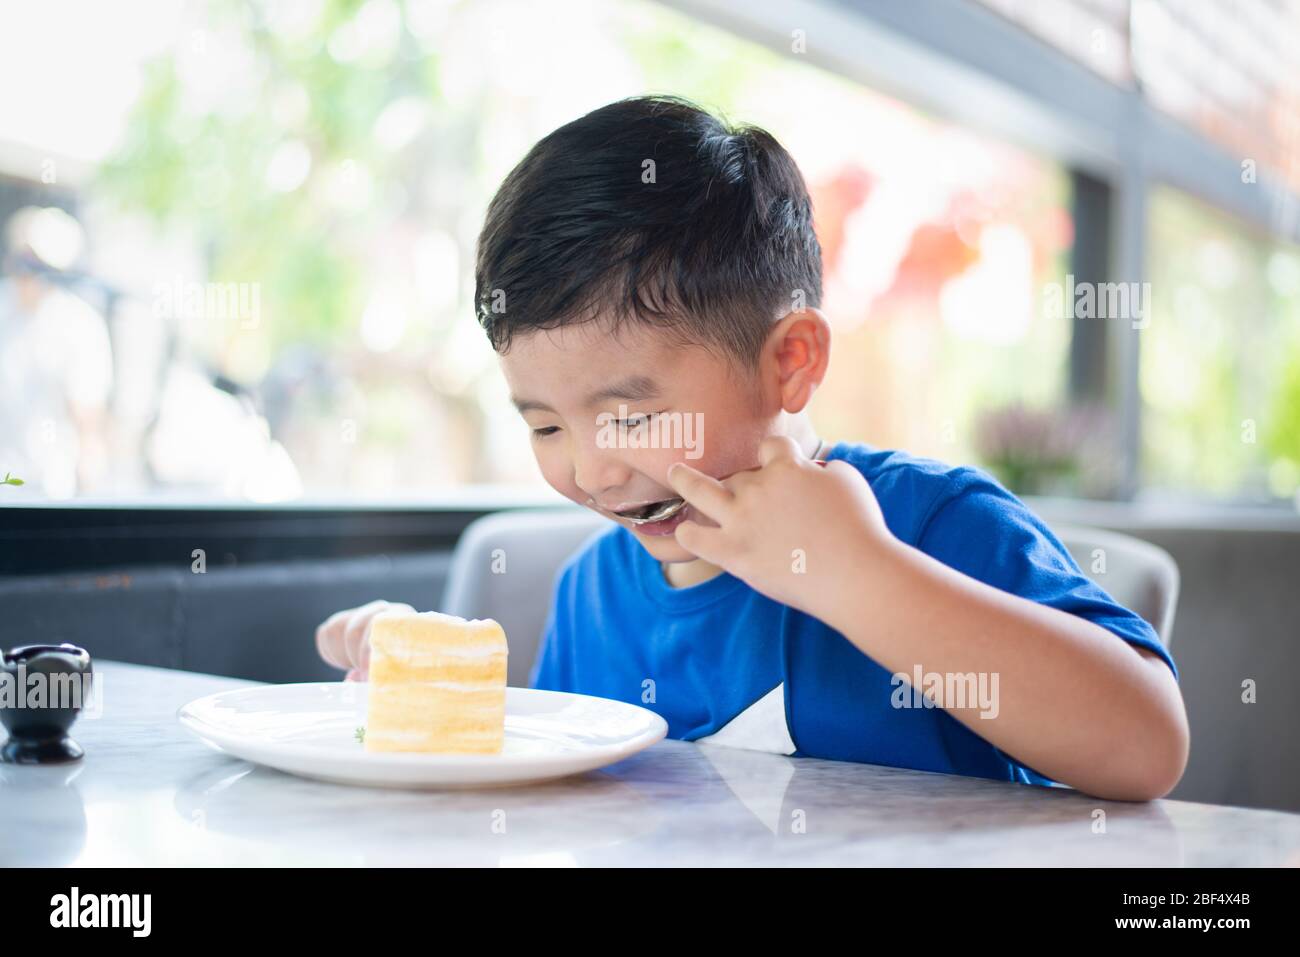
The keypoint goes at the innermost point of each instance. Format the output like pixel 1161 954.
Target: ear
pixel 800 344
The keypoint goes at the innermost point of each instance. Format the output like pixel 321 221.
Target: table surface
pixel 149 792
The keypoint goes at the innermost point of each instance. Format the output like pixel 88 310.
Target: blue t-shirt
pixel 724 663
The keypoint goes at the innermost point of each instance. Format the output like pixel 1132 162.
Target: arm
pixel 1076 702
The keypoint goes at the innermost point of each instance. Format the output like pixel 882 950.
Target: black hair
pixel 712 240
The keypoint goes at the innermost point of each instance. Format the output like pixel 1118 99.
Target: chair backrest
pixel 1137 574
pixel 504 568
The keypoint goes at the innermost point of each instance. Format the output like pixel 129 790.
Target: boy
pixel 763 588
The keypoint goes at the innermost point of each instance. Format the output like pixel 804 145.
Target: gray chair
pixel 1137 574
pixel 505 564
pixel 504 567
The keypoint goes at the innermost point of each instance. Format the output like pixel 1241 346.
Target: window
pixel 264 269
pixel 1225 69
pixel 1220 364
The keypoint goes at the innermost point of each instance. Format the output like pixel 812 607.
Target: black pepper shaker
pixel 42 689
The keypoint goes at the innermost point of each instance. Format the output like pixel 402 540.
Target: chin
pixel 664 548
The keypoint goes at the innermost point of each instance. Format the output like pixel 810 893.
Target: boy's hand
pixel 343 639
pixel 790 529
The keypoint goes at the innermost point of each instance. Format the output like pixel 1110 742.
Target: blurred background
pixel 242 385
pixel 239 237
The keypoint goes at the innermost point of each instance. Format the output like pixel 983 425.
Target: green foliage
pixel 200 163
pixel 1221 358
pixel 1283 435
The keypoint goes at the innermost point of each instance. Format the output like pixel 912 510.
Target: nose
pixel 598 471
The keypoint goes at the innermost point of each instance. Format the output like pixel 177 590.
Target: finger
pixel 776 447
pixel 329 639
pixel 351 675
pixel 331 636
pixel 739 480
pixel 358 631
pixel 703 491
pixel 701 541
pixel 840 467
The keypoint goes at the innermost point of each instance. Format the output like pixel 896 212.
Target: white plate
pixel 310 730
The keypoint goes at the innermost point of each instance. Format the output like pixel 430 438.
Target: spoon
pixel 671 507
pixel 668 509
pixel 665 511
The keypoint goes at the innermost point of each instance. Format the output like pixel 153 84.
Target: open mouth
pixel 653 512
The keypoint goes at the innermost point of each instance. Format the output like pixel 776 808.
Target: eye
pixel 635 421
pixel 545 431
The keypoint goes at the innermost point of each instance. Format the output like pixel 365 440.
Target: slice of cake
pixel 437 684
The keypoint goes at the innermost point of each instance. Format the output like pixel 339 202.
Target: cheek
pixel 732 450
pixel 716 459
pixel 723 438
pixel 557 470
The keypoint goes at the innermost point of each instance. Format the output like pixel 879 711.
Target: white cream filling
pixel 487 685
pixel 478 624
pixel 405 652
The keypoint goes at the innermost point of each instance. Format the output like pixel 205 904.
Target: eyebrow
pixel 632 388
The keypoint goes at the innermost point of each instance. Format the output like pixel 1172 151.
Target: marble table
pixel 150 793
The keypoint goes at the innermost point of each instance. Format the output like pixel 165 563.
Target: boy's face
pixel 569 383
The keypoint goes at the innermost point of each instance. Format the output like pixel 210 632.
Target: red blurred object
pixel 834 201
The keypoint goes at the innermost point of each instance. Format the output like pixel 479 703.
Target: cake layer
pixel 437 684
pixel 439 668
pixel 426 717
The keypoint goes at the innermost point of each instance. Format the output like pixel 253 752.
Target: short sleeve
pixel 984 531
pixel 987 533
